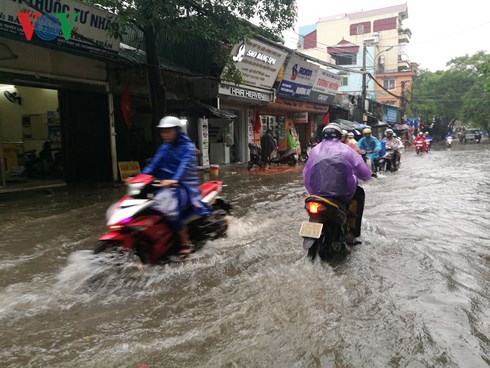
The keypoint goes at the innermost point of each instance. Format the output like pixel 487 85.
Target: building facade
pixel 339 39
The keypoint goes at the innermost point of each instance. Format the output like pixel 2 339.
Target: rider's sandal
pixel 185 250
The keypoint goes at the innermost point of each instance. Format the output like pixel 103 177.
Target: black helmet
pixel 332 131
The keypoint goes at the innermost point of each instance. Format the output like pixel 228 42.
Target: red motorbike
pixel 134 226
pixel 420 146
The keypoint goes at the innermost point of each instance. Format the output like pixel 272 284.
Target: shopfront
pixel 259 61
pixel 304 93
pixel 56 124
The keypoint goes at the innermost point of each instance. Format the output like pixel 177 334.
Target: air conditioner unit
pixel 373 38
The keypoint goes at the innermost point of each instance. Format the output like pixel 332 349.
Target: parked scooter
pixel 255 156
pixel 305 153
pixel 135 227
pixel 289 157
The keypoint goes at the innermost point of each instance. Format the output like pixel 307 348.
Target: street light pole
pixel 364 87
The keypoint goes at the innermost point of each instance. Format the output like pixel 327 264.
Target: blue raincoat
pixel 177 161
pixel 333 170
pixel 370 144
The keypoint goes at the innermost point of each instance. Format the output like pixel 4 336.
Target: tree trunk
pixel 155 81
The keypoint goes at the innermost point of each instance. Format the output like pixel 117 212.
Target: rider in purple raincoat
pixel 333 171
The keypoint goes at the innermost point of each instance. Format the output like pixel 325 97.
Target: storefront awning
pixel 197 108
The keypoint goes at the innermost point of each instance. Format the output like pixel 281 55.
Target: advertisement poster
pixel 62 23
pixel 325 87
pixel 250 125
pixel 203 143
pixel 298 78
pixel 258 62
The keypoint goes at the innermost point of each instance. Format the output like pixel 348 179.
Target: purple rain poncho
pixel 333 169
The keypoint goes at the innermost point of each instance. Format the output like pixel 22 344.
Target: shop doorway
pixel 86 136
pixel 222 142
pixel 31 145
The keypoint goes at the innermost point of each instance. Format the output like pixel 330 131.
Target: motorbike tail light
pixel 116 227
pixel 314 207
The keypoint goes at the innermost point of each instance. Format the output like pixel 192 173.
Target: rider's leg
pixel 359 196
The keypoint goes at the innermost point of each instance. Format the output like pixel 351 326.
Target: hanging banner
pixel 258 62
pixel 325 87
pixel 203 141
pixel 298 78
pixel 250 125
pixel 61 24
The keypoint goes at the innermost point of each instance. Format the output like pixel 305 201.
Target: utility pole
pixel 403 101
pixel 364 87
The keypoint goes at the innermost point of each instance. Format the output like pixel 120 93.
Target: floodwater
pixel 416 293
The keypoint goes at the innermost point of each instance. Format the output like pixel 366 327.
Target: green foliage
pixel 215 22
pixel 462 92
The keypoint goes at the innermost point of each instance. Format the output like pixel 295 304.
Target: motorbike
pixel 135 227
pixel 428 143
pixel 390 161
pixel 288 157
pixel 330 227
pixel 419 145
pixel 449 142
pixel 373 165
pixel 305 153
pixel 255 156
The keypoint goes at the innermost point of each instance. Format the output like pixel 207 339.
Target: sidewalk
pixel 241 169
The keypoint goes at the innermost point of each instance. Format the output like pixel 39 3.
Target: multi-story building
pixel 372 40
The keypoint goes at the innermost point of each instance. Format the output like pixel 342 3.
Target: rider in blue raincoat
pixel 175 164
pixel 371 146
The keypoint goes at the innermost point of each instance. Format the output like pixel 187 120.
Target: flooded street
pixel 416 293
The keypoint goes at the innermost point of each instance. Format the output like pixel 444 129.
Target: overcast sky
pixel 441 30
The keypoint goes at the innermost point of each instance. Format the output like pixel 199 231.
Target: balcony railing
pixel 404 35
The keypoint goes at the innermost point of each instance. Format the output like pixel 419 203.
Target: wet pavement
pixel 416 293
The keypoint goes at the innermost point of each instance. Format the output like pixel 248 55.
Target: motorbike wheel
pixel 303 157
pixel 418 151
pixel 322 247
pixel 292 161
pixel 107 246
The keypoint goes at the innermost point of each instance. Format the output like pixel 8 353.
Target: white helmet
pixel 169 122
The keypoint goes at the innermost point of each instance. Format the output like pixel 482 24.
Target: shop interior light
pixel 7 87
pixel 183 120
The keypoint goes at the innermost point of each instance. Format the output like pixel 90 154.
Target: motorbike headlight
pixel 134 189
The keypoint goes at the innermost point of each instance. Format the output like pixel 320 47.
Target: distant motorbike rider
pixel 477 136
pixel 345 133
pixel 370 147
pixel 428 140
pixel 393 146
pixel 421 140
pixel 175 164
pixel 333 171
pixel 352 143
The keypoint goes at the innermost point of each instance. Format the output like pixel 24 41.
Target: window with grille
pixel 389 84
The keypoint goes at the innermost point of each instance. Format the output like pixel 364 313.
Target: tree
pixel 219 22
pixel 460 93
